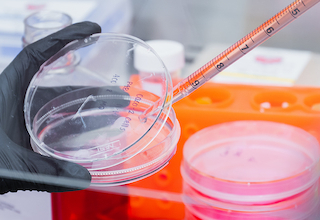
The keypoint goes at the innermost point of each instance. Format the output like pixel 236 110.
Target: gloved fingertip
pixel 64 175
pixel 90 27
pixel 75 31
pixel 76 172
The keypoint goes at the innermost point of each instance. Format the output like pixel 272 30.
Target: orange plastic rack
pixel 218 103
pixel 211 104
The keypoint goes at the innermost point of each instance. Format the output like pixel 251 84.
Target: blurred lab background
pixel 206 28
pixel 193 23
pixel 200 25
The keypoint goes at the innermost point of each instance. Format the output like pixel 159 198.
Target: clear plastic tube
pixel 43 23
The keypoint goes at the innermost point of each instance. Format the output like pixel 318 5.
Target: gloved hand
pixel 17 159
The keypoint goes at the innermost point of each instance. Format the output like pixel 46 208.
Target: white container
pixel 171 53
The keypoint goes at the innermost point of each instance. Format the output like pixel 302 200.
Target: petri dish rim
pixel 248 208
pixel 74 45
pixel 195 177
pixel 191 167
pixel 146 169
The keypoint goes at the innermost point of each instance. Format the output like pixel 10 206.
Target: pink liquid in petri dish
pixel 255 162
pixel 261 160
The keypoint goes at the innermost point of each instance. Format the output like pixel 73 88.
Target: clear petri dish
pixel 82 105
pixel 152 159
pixel 251 162
pixel 304 205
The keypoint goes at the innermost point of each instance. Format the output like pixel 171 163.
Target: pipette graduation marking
pixel 233 53
pixel 240 48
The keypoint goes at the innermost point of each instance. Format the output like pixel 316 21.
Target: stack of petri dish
pixel 83 107
pixel 251 170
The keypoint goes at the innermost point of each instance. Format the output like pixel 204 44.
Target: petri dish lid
pixel 251 161
pixel 83 107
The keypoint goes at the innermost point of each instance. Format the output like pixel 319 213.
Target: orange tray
pixel 211 104
pixel 217 103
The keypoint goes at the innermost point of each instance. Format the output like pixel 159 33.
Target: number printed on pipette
pixel 295 12
pixel 219 66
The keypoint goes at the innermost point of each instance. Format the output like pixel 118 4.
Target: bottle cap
pixel 170 52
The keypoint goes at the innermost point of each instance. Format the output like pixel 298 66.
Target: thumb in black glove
pixel 20 167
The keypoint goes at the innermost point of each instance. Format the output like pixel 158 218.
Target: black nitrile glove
pixel 16 155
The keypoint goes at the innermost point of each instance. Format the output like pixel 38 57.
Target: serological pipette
pixel 236 51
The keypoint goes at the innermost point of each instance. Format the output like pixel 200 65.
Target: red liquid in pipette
pixel 233 53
